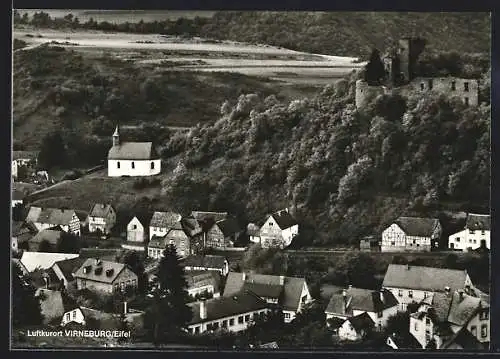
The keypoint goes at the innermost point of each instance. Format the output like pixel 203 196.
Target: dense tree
pixel 52 151
pixel 25 305
pixel 69 243
pixel 169 314
pixel 136 264
pixel 375 71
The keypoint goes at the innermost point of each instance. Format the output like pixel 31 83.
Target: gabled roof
pixel 462 310
pixel 42 260
pixel 18 155
pixel 253 229
pixel 205 261
pixel 191 226
pixel 416 226
pixel 48 235
pixel 292 288
pixel 100 210
pixel 101 253
pixel 284 219
pixel 361 322
pixel 17 195
pixel 222 307
pixel 37 278
pixel 164 219
pixel 201 216
pixel 33 214
pixel 99 270
pixel 264 290
pixel 463 339
pixel 197 279
pixel 228 226
pixel 133 151
pixel 423 278
pixel 478 221
pixel 158 242
pixel 441 306
pixel 56 216
pixel 361 299
pixel 69 266
pixel 143 218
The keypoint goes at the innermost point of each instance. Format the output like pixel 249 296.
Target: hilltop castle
pixel 400 65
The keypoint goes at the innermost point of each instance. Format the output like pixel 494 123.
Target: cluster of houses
pixel 415 234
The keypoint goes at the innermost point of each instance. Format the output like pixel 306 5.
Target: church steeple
pixel 116 137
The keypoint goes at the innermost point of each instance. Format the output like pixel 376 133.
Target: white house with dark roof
pixel 102 218
pixel 64 270
pixel 40 260
pixel 411 234
pixel 162 222
pixel 278 230
pixel 379 305
pixel 452 320
pixel 206 263
pixel 232 313
pixel 132 158
pixel 104 276
pixel 476 233
pixel 291 294
pixel 203 282
pixel 413 284
pixel 356 327
pixel 44 218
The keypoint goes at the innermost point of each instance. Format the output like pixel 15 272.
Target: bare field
pixel 196 54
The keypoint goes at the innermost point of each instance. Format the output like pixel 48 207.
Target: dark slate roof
pixel 144 218
pixel 223 307
pixel 18 195
pixel 441 306
pixel 405 341
pixel 133 151
pixel 191 226
pixel 16 227
pixel 17 155
pixel 361 299
pixel 100 210
pixel 264 290
pixel 463 339
pixel 196 279
pixel 335 322
pixel 70 266
pixel 205 261
pixel 253 229
pixel 292 288
pixel 55 216
pixel 212 216
pixel 416 226
pixel 51 236
pixel 102 253
pixel 228 227
pixel 38 281
pixel 361 322
pixel 284 219
pixel 82 215
pixel 461 311
pixel 164 219
pixel 33 214
pixel 108 273
pixel 158 242
pixel 423 278
pixel 478 221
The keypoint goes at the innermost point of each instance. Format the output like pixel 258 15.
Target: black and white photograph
pixel 250 181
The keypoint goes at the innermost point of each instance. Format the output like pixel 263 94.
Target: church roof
pixel 133 151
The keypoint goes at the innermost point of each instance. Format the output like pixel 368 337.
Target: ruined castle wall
pixel 366 93
pixel 466 89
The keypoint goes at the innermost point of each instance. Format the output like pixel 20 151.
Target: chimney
pixel 282 279
pixel 46 282
pixel 244 276
pixel 203 310
pixel 125 307
pixel 344 296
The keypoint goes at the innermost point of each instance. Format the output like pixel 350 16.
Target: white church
pixel 132 158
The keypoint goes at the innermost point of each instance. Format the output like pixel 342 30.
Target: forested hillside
pixel 334 33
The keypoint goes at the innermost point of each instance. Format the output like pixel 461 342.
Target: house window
pixel 422 86
pixel 152 165
pixel 134 226
pixel 247 318
pixel 215 325
pixel 453 86
pixel 471 231
pixel 431 84
pixel 84 283
pixel 231 322
pixel 410 294
pixel 427 321
pixel 466 101
pixel 416 326
pixel 393 243
pixel 484 331
pixel 482 232
pixel 400 293
pixel 457 239
pixel 68 317
pixel 466 86
pixel 133 164
pixel 483 315
pixel 270 224
pixel 379 315
pixel 118 164
pixel 196 330
pixel 74 314
pixel 427 336
pixel 224 324
pixel 287 316
pixel 473 330
pixel 240 319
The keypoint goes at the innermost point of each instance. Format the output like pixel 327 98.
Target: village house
pixel 65 269
pixel 253 233
pixel 206 220
pixel 379 305
pixel 223 234
pixel 233 313
pixel 132 158
pixel 17 198
pixel 40 260
pixel 161 222
pixel 44 218
pixel 21 233
pixel 102 218
pixel 476 233
pixel 448 318
pixel 291 294
pixel 195 233
pixel 104 276
pixel 356 327
pixel 411 234
pixel 278 230
pixel 369 244
pixel 25 158
pixel 47 240
pixel 203 283
pixel 137 232
pixel 175 236
pixel 413 284
pixel 206 263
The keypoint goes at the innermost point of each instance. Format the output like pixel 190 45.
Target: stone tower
pixel 116 137
pixel 409 49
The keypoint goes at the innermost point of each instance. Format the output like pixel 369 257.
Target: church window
pixel 152 165
pixel 117 164
pixel 133 165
